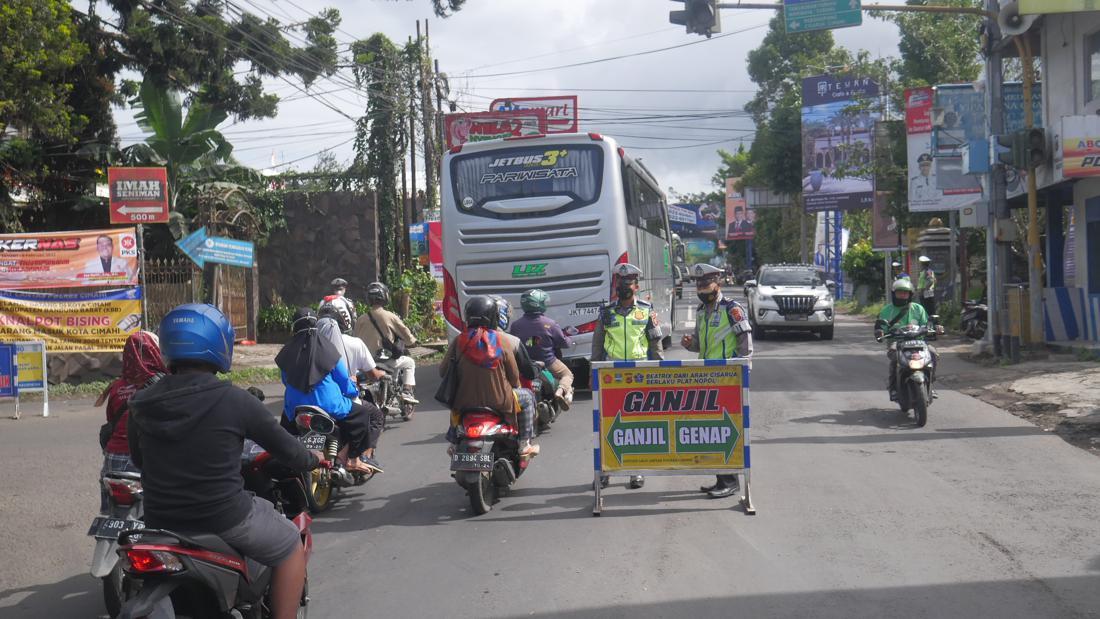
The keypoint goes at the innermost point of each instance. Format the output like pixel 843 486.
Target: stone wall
pixel 77 367
pixel 328 235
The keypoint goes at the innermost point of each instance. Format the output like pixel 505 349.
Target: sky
pixel 703 86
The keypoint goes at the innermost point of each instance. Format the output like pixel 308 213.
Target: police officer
pixel 926 285
pixel 722 331
pixel 627 330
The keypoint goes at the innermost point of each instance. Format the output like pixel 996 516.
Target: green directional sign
pixel 707 435
pixel 808 15
pixel 637 437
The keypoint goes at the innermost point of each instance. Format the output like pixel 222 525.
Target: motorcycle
pixel 486 460
pixel 199 575
pixel 124 512
pixel 387 393
pixel 974 319
pixel 916 370
pixel 547 409
pixel 317 431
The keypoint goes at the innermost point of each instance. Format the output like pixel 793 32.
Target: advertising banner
pixel 68 259
pixel 481 126
pixel 936 181
pixel 89 322
pixel 1078 150
pixel 699 250
pixel 32 365
pixel 1036 7
pixel 561 112
pixel 884 228
pixel 138 195
pixel 741 220
pixel 837 143
pixel 9 372
pixel 435 248
pixel 696 220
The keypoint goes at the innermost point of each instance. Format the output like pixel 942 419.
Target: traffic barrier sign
pixel 671 418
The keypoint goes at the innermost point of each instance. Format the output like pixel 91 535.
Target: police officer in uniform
pixel 627 331
pixel 722 331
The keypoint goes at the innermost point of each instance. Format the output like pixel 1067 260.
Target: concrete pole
pixel 996 182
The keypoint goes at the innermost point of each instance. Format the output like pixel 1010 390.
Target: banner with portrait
pixel 69 259
pixel 740 219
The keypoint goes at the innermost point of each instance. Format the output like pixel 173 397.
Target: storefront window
pixel 1092 65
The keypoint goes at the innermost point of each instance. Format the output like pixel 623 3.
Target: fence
pixel 232 296
pixel 168 283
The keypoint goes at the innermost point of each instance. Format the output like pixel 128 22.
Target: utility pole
pixel 412 123
pixel 428 128
pixel 994 76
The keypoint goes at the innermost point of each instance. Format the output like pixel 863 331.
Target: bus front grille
pixel 524 234
pixel 576 281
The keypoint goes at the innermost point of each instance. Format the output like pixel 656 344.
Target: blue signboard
pixel 9 371
pixel 1013 98
pixel 698 220
pixel 807 15
pixel 201 249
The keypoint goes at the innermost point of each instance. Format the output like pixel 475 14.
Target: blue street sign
pixel 201 249
pixel 9 371
pixel 807 15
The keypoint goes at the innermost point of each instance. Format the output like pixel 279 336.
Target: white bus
pixel 553 212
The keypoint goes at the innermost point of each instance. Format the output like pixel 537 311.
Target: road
pixel 860 514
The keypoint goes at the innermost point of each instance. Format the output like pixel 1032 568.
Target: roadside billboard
pixel 740 219
pixel 936 181
pixel 884 228
pixel 1078 149
pixel 138 195
pixel 699 250
pixel 86 322
pixel 69 259
pixel 696 220
pixel 481 126
pixel 837 142
pixel 561 111
pixel 1036 7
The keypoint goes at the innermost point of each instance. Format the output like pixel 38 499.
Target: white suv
pixel 792 297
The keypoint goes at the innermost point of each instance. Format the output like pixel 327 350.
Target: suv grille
pixel 795 304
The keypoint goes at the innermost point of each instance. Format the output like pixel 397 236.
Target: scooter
pixel 547 409
pixel 169 574
pixel 974 319
pixel 317 431
pixel 387 392
pixel 486 460
pixel 916 370
pixel 124 513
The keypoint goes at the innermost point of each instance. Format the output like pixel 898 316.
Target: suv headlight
pixel 764 298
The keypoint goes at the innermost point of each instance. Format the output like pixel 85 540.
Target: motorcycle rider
pixel 627 330
pixel 338 289
pixel 334 324
pixel 382 330
pixel 487 371
pixel 527 369
pixel 186 433
pixel 314 374
pixel 901 312
pixel 541 336
pixel 926 285
pixel 722 331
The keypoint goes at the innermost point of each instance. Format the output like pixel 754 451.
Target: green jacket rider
pixel 901 312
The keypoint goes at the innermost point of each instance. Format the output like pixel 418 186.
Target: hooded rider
pixel 722 331
pixel 627 330
pixel 901 312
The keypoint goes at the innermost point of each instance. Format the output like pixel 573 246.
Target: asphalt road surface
pixel 860 514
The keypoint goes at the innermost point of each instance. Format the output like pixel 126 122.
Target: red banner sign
pixel 481 126
pixel 138 195
pixel 561 112
pixel 68 259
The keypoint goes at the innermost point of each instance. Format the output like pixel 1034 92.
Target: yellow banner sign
pixel 674 417
pixel 1036 7
pixel 93 322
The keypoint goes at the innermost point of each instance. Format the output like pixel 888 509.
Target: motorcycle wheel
pixel 112 590
pixel 920 403
pixel 318 484
pixel 482 494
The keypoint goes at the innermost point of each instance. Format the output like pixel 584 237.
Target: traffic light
pixel 698 17
pixel 1035 141
pixel 1012 149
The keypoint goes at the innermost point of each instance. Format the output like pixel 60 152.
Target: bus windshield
pixel 525 172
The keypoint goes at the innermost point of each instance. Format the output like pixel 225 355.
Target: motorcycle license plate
pixel 109 528
pixel 313 440
pixel 797 317
pixel 472 462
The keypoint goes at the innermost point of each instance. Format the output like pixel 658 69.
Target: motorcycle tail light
pixel 303 420
pixel 123 492
pixel 152 561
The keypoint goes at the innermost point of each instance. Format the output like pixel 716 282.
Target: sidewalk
pixel 1054 389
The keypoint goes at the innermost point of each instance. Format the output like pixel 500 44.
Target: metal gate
pixel 232 296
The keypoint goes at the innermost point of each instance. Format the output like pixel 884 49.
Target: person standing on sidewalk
pixel 627 330
pixel 722 331
pixel 926 285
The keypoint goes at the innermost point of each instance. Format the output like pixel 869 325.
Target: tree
pixel 937 48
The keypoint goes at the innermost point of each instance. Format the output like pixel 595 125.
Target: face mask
pixel 900 302
pixel 625 291
pixel 707 296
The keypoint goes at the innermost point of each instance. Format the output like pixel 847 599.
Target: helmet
pixel 197 332
pixel 924 259
pixel 703 271
pixel 902 285
pixel 625 270
pixel 337 312
pixel 339 282
pixel 534 301
pixel 504 311
pixel 481 311
pixel 378 294
pixel 303 319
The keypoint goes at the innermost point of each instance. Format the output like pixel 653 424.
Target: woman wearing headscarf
pixel 314 374
pixel 142 365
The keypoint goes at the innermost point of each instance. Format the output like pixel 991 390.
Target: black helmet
pixel 339 282
pixel 481 311
pixel 304 318
pixel 337 312
pixel 378 294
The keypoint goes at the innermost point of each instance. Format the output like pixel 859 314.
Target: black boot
pixel 636 481
pixel 727 485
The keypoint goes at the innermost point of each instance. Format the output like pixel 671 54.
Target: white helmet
pixel 625 269
pixel 703 270
pixel 924 259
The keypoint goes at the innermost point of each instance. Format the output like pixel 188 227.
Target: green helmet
pixel 903 284
pixel 534 301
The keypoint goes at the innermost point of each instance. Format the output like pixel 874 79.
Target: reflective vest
pixel 717 337
pixel 625 337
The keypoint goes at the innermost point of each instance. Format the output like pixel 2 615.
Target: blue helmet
pixel 197 332
pixel 504 312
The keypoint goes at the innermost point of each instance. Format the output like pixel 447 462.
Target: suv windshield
pixel 790 277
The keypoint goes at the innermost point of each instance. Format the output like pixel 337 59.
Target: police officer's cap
pixel 703 271
pixel 924 158
pixel 924 259
pixel 626 271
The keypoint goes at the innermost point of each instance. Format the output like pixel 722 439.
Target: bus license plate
pixel 313 441
pixel 472 461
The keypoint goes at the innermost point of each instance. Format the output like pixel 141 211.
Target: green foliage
pixel 864 267
pixel 950 314
pixel 937 48
pixel 276 318
pixel 425 322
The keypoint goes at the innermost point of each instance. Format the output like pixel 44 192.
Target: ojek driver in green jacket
pixel 901 312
